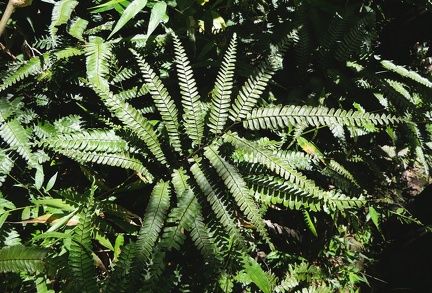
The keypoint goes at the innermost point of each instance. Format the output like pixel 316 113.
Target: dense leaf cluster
pixel 169 162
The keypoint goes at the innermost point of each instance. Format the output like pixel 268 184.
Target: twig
pixel 12 4
pixel 5 50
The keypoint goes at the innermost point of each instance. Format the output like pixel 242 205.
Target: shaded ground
pixel 405 264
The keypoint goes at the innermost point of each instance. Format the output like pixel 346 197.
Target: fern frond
pixel 153 221
pixel 334 34
pixel 163 101
pixel 297 273
pixel 19 258
pixel 6 165
pixel 388 93
pixel 289 233
pixel 78 27
pixel 115 159
pixel 158 279
pixel 221 95
pixel 133 120
pixel 67 53
pixel 17 137
pixel 238 188
pixel 98 54
pixel 44 130
pixel 309 223
pixel 400 88
pixel 155 281
pixel 184 217
pixel 276 117
pixel 180 181
pixel 339 181
pixel 194 113
pixel 311 149
pixel 303 43
pixel 296 159
pixel 341 170
pixel 270 190
pixel 36 65
pixel 406 73
pixel 32 66
pixel 117 282
pixel 68 124
pixel 417 145
pixel 250 92
pixel 46 42
pixel 199 232
pixel 117 210
pixel 132 93
pixel 355 37
pixel 264 156
pixel 204 241
pixel 80 258
pixel 219 207
pixel 9 108
pixel 253 88
pixel 316 289
pixel 100 140
pixel 61 14
pixel 106 26
pixel 124 74
pixel 299 181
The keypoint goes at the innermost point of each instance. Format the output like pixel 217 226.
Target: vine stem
pixel 10 8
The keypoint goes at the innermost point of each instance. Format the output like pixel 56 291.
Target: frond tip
pixel 221 96
pixel 193 109
pixel 163 101
pixel 98 54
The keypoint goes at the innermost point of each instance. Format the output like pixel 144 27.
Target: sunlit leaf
pixel 256 273
pixel 51 182
pixel 130 12
pixel 158 14
pixel 39 178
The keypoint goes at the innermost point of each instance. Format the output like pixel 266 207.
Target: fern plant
pixel 210 182
pixel 212 176
pixel 245 188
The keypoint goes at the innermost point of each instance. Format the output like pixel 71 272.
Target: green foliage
pixel 18 258
pixel 163 102
pixel 61 14
pixel 130 12
pixel 153 222
pixel 194 112
pixel 98 53
pixel 221 97
pixel 166 162
pixel 80 258
pixel 289 116
pixel 257 275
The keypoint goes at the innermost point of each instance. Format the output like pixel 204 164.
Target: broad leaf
pixel 158 14
pixel 130 12
pixel 256 273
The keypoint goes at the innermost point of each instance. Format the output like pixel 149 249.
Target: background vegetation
pixel 215 146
